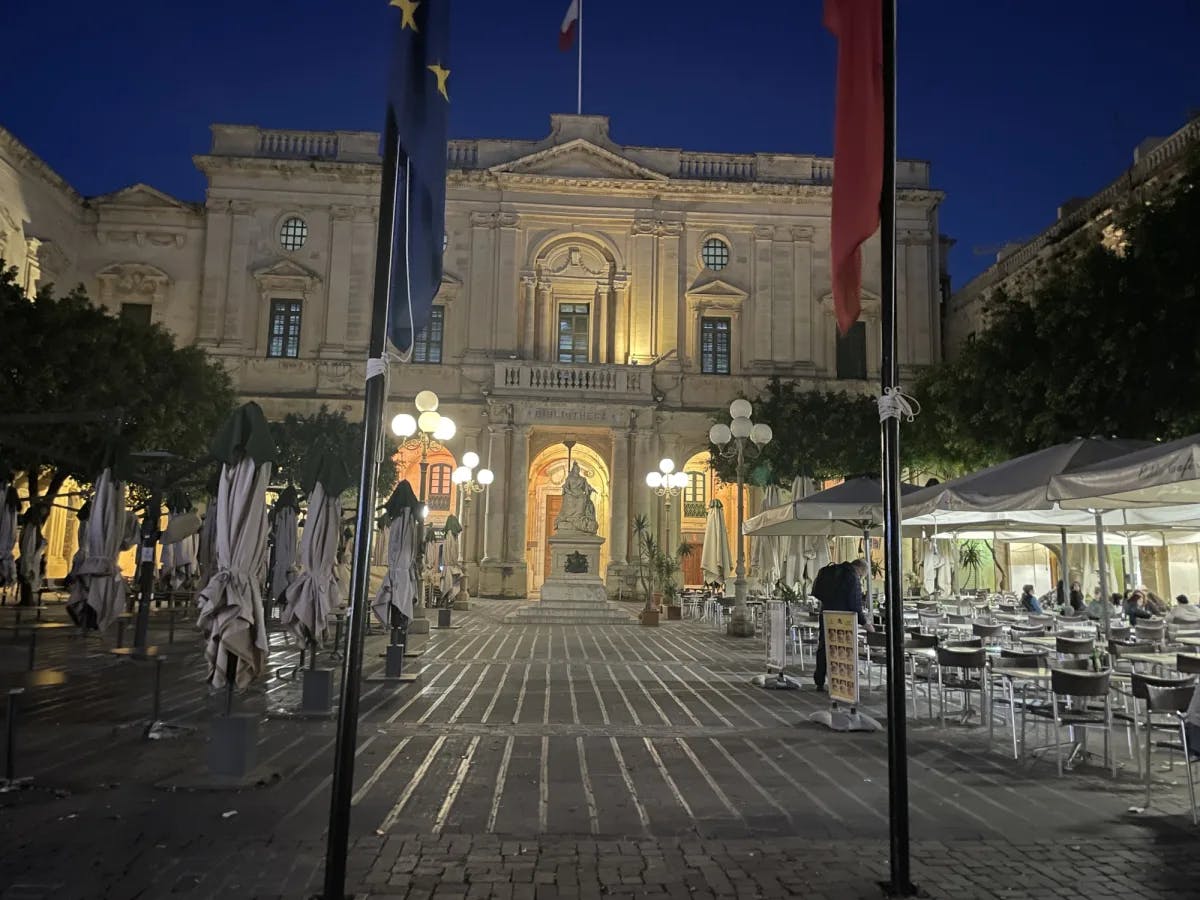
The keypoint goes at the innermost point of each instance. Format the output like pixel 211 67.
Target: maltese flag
pixel 570 24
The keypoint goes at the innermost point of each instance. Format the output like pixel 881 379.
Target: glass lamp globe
pixel 654 479
pixel 428 421
pixel 427 401
pixel 446 429
pixel 666 466
pixel 740 409
pixel 761 433
pixel 404 425
pixel 485 477
pixel 740 427
pixel 470 459
pixel 679 480
pixel 461 474
pixel 425 512
pixel 720 434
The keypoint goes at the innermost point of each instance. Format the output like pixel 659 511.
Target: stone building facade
pixel 615 296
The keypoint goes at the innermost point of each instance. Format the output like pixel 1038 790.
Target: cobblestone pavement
pixel 558 761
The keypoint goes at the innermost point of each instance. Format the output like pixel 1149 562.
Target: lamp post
pixel 430 430
pixel 667 483
pixel 731 443
pixel 469 482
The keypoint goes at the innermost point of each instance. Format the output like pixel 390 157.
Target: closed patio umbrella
pixel 231 607
pixel 716 563
pixel 177 567
pixel 97 593
pixel 284 517
pixel 452 570
pixel 402 582
pixel 309 599
pixel 31 547
pixel 10 505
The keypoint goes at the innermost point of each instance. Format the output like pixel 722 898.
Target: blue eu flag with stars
pixel 414 160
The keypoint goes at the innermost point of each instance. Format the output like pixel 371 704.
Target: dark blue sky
pixel 1019 104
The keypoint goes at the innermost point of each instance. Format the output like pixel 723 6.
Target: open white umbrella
pixel 10 506
pixel 284 516
pixel 97 588
pixel 716 563
pixel 1157 475
pixel 231 607
pixel 402 582
pixel 452 570
pixel 309 599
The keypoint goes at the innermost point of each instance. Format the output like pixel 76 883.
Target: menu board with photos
pixel 841 655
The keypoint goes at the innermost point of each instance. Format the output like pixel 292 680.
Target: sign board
pixel 776 622
pixel 841 655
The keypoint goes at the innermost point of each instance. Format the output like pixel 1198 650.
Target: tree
pixel 300 437
pixel 1104 344
pixel 818 434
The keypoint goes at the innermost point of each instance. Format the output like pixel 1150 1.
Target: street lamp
pixel 731 443
pixel 667 483
pixel 430 430
pixel 469 481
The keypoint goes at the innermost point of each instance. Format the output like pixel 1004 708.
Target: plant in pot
pixel 668 571
pixel 970 557
pixel 645 567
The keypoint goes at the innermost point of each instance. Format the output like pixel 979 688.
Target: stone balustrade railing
pixel 298 144
pixel 572 381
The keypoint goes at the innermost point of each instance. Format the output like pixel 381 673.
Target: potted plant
pixel 669 569
pixel 646 570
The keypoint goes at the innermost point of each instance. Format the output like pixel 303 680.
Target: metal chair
pixel 1066 688
pixel 1168 701
pixel 1074 647
pixel 922 658
pixel 1188 663
pixel 1009 659
pixel 961 662
pixel 991 634
pixel 1154 634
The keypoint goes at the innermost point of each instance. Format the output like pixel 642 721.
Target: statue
pixel 578 512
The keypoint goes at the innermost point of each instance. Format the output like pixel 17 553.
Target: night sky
pixel 1019 104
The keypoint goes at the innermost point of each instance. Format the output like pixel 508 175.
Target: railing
pixel 439 502
pixel 298 144
pixel 717 166
pixel 566 380
pixel 462 154
pixel 694 509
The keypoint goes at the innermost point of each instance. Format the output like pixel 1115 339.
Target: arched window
pixel 439 487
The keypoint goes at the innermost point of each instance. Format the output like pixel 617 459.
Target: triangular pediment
pixel 578 158
pixel 286 268
pixel 140 196
pixel 716 289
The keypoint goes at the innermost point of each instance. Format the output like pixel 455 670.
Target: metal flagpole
pixel 901 884
pixel 579 80
pixel 338 837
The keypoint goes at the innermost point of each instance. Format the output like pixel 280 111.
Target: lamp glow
pixel 761 433
pixel 461 474
pixel 428 421
pixel 446 429
pixel 470 459
pixel 654 479
pixel 679 480
pixel 425 512
pixel 427 401
pixel 740 409
pixel 740 427
pixel 666 466
pixel 720 434
pixel 404 425
pixel 485 477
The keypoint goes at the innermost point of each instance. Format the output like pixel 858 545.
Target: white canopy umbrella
pixel 284 515
pixel 231 607
pixel 309 599
pixel 452 570
pixel 1156 475
pixel 98 588
pixel 793 545
pixel 936 568
pixel 402 582
pixel 9 509
pixel 716 564
pixel 768 549
pixel 816 557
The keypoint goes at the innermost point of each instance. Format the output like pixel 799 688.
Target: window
pixel 852 352
pixel 439 487
pixel 714 253
pixel 573 332
pixel 283 340
pixel 695 496
pixel 714 346
pixel 138 313
pixel 293 233
pixel 427 347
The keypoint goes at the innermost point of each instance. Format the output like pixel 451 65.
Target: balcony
pixel 564 381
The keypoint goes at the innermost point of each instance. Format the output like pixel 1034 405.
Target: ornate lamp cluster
pixel 666 482
pixel 468 480
pixel 430 430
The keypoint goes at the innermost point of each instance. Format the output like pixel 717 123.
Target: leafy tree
pixel 300 437
pixel 1104 344
pixel 818 434
pixel 104 375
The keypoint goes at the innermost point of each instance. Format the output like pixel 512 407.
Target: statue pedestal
pixel 574 593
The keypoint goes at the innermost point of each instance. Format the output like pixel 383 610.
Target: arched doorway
pixel 441 495
pixel 546 475
pixel 702 488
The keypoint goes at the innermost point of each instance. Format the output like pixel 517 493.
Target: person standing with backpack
pixel 839 588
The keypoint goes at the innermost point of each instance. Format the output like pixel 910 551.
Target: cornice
pixel 21 154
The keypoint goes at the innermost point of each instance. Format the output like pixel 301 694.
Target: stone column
pixel 337 301
pixel 643 292
pixel 514 536
pixel 499 439
pixel 667 278
pixel 760 324
pixel 802 307
pixel 620 301
pixel 237 310
pixel 504 309
pixel 529 314
pixel 481 287
pixel 545 314
pixel 218 227
pixel 622 479
pixel 783 300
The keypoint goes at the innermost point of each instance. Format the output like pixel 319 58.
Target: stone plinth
pixel 574 592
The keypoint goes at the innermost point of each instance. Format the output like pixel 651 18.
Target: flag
pixel 857 146
pixel 570 23
pixel 417 114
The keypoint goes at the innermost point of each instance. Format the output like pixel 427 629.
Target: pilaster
pixel 529 314
pixel 337 300
pixel 481 284
pixel 236 314
pixel 760 324
pixel 802 306
pixel 505 310
pixel 218 230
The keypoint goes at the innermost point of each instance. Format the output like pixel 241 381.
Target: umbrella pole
pixel 338 834
pixel 1107 606
pixel 150 535
pixel 1064 569
pixel 867 554
pixel 230 681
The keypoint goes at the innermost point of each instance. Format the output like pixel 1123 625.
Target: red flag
pixel 857 145
pixel 566 33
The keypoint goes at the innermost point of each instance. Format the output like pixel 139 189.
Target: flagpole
pixel 901 884
pixel 579 78
pixel 338 836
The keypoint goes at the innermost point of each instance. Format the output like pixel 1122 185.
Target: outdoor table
pixel 1188 641
pixel 1157 660
pixel 33 628
pixel 20 611
pixel 1043 642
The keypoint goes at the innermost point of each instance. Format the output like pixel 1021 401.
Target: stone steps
pixel 565 611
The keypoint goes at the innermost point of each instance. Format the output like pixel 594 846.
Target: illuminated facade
pixel 612 295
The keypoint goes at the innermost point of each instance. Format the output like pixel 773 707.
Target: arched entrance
pixel 702 488
pixel 546 475
pixel 441 495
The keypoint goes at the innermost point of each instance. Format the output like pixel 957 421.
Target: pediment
pixel 716 289
pixel 449 288
pixel 286 268
pixel 578 158
pixel 140 196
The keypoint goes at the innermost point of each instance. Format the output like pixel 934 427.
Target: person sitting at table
pixel 1135 607
pixel 1029 601
pixel 1183 613
pixel 1156 605
pixel 1076 598
pixel 1095 609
